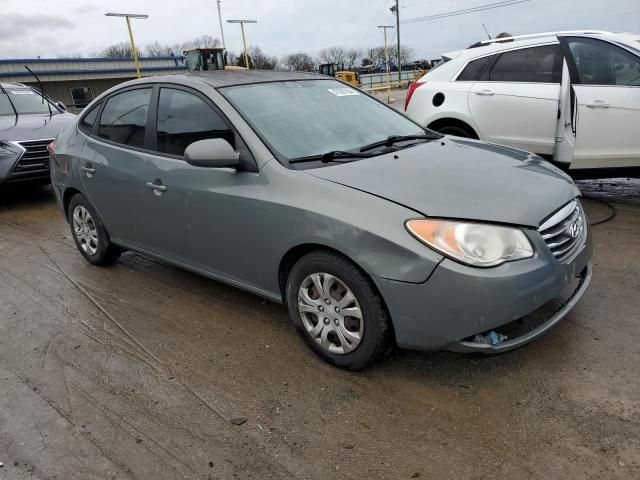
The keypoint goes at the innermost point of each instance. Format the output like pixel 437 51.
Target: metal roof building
pixel 77 81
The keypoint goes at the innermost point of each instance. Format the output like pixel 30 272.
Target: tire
pixel 89 234
pixel 338 338
pixel 456 131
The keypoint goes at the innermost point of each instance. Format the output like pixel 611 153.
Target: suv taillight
pixel 412 88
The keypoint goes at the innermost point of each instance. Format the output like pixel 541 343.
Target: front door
pixel 607 87
pixel 567 120
pixel 202 217
pixel 515 102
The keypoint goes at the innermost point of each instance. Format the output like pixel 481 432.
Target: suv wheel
pixel 456 131
pixel 337 310
pixel 89 233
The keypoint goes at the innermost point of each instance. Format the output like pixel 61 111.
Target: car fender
pixel 365 228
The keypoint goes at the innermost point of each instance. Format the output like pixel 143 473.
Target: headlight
pixel 9 150
pixel 476 244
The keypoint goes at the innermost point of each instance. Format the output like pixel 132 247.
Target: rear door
pixel 515 102
pixel 114 164
pixel 606 80
pixel 567 120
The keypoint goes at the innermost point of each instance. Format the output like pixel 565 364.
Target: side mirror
pixel 212 153
pixel 61 106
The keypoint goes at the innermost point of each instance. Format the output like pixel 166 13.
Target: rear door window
pixel 185 118
pixel 124 117
pixel 531 65
pixel 601 63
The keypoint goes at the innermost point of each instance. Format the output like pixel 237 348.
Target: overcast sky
pixel 52 28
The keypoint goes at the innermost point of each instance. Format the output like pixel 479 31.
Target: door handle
pixel 158 188
pixel 88 169
pixel 486 93
pixel 598 104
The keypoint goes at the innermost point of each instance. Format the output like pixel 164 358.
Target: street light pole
pixel 396 9
pixel 134 51
pixel 221 29
pixel 386 59
pixel 244 38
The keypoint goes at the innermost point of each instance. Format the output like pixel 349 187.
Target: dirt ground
pixel 138 371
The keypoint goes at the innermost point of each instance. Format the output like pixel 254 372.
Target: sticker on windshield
pixel 22 92
pixel 343 92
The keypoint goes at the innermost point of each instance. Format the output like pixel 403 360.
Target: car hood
pixel 33 127
pixel 461 179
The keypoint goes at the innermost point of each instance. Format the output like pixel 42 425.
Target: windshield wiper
pixel 389 141
pixel 332 156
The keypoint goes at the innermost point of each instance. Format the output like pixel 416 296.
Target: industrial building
pixel 77 81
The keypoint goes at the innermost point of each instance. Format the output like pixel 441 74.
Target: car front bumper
pixel 458 302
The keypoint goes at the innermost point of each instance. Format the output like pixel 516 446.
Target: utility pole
pixel 386 59
pixel 221 29
pixel 396 9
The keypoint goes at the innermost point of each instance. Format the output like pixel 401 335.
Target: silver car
pixel 371 230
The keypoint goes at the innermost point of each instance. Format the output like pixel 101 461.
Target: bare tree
pixel 407 54
pixel 298 62
pixel 118 50
pixel 203 41
pixel 257 59
pixel 353 56
pixel 337 55
pixel 156 49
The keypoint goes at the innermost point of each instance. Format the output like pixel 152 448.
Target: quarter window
pixel 474 69
pixel 87 121
pixel 600 63
pixel 532 65
pixel 124 117
pixel 184 118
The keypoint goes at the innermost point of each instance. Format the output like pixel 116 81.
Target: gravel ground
pixel 140 371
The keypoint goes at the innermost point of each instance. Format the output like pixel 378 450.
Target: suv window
pixel 124 117
pixel 184 118
pixel 87 121
pixel 601 63
pixel 532 65
pixel 474 69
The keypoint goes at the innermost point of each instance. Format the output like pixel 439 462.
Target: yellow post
pixel 133 49
pixel 386 59
pixel 244 42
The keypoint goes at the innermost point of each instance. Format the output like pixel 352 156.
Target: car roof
pixel 12 85
pixel 228 78
pixel 482 48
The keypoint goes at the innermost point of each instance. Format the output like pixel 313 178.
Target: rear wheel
pixel 89 234
pixel 337 310
pixel 456 131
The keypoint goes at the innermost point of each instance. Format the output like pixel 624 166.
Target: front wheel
pixel 337 310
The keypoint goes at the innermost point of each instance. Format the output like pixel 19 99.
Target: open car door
pixel 567 120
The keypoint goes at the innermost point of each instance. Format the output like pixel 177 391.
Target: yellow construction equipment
pixel 347 76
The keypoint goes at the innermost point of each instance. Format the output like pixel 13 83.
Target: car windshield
pixel 23 100
pixel 311 117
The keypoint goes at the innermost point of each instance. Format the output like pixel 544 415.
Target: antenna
pixel 486 31
pixel 42 92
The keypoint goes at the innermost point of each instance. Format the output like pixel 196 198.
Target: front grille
pixel 34 162
pixel 564 231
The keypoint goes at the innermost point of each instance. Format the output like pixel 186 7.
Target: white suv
pixel 572 97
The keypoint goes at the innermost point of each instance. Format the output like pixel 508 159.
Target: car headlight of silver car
pixel 475 244
pixel 9 151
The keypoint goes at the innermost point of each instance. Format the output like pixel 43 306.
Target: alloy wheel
pixel 85 230
pixel 330 313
